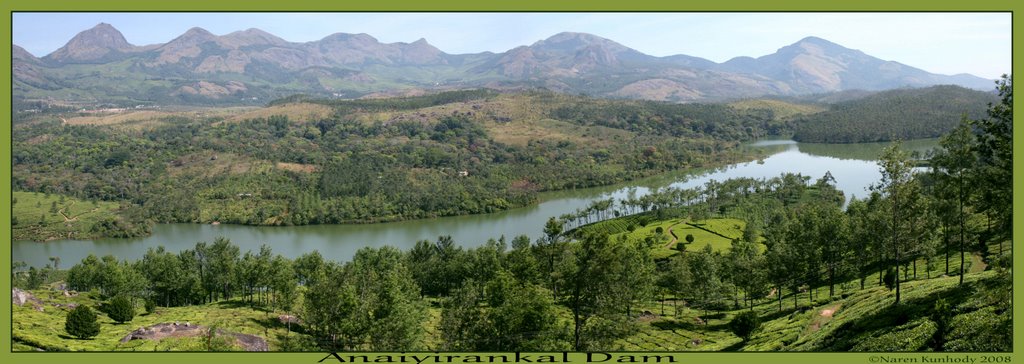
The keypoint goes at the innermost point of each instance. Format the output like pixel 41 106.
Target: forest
pixel 897 261
pixel 900 114
pixel 453 153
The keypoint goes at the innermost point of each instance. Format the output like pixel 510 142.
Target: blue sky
pixel 946 43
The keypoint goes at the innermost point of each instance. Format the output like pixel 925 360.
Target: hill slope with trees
pixel 896 114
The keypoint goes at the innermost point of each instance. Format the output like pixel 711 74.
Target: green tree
pixel 309 268
pixel 120 309
pixel 748 270
pixel 596 307
pixel 217 267
pixel 328 307
pixel 676 279
pixel 389 308
pixel 283 283
pixel 636 280
pixel 81 323
pixel 461 319
pixel 705 270
pixel 525 321
pixel 895 166
pixel 745 324
pixel 994 176
pixel 552 249
pixel 956 159
pixel 521 262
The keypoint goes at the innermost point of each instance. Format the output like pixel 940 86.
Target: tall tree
pixel 328 307
pixel 552 249
pixel 747 265
pixel 389 310
pixel 596 309
pixel 895 166
pixel 676 278
pixel 705 271
pixel 956 159
pixel 994 136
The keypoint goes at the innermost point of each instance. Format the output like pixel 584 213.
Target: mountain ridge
pixel 352 65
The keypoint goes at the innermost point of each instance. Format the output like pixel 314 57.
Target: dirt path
pixel 66 218
pixel 74 218
pixel 674 237
pixel 828 312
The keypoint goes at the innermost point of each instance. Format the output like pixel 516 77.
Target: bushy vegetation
pixel 745 324
pixel 120 309
pixel 81 323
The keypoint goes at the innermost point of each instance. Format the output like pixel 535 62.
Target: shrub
pixel 890 279
pixel 689 238
pixel 81 323
pixel 150 306
pixel 659 230
pixel 745 324
pixel 121 309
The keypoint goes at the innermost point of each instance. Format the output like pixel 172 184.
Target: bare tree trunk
pixel 961 200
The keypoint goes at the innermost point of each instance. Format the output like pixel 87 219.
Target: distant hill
pixel 817 65
pixel 253 67
pixel 895 114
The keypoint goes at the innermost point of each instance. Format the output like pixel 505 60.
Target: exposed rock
pixel 20 298
pixel 288 319
pixel 173 329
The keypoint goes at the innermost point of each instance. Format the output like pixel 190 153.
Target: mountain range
pixel 253 66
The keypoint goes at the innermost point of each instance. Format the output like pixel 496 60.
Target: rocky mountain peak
pixel 91 45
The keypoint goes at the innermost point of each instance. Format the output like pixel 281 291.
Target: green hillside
pixel 38 216
pixel 897 114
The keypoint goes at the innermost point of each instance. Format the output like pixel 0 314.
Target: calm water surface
pixel 852 165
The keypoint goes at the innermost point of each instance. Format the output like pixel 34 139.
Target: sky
pixel 944 43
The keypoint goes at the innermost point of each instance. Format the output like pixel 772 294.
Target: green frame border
pixel 10 6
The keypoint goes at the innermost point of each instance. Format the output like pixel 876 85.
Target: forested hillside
pixel 312 161
pixel 891 115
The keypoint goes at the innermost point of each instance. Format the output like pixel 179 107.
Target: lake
pixel 852 165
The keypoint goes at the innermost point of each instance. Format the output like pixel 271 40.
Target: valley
pixel 241 191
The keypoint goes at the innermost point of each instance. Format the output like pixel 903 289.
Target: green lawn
pixel 718 233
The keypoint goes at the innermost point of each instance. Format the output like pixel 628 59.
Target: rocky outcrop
pixel 20 298
pixel 175 329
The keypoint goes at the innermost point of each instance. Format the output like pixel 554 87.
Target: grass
pixel 32 329
pixel 866 320
pixel 718 233
pixel 297 112
pixel 781 109
pixel 37 220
